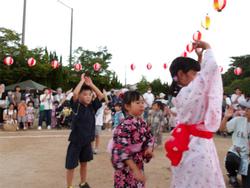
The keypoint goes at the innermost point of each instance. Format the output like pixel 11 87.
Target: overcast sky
pixel 135 31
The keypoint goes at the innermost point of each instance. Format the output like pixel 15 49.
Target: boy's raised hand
pixel 83 77
pixel 88 81
pixel 229 112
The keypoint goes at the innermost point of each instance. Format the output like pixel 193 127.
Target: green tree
pixel 143 85
pixel 159 87
pixel 231 81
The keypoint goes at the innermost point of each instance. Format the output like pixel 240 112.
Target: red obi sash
pixel 179 141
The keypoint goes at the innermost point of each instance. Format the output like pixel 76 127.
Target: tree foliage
pixel 156 85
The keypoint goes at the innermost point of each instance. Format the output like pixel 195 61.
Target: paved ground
pixel 35 159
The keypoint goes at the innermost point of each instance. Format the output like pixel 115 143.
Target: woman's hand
pixel 201 44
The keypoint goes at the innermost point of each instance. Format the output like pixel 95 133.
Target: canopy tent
pixel 26 84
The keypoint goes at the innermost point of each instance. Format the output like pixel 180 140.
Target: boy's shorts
pixel 78 153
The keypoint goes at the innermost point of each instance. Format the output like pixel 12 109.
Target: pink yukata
pixel 130 140
pixel 200 101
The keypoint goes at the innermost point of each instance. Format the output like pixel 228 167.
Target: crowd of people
pixel 137 122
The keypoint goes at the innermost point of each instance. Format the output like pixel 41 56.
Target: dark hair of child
pixel 17 87
pixel 131 96
pixel 85 88
pixel 185 64
pixel 45 89
pixel 30 102
pixel 11 104
pixel 56 102
pixel 159 104
pixel 118 104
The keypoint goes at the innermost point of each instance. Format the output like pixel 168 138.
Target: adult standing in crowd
pixel 59 95
pixel 2 102
pixel 237 97
pixel 45 108
pixel 17 96
pixel 149 99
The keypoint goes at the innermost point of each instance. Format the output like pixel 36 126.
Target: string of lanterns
pixel 54 64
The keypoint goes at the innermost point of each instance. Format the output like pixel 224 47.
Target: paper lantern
pixel 55 64
pixel 190 47
pixel 78 67
pixel 31 62
pixel 219 5
pixel 8 61
pixel 184 54
pixel 149 66
pixel 206 23
pixel 132 67
pixel 197 36
pixel 165 66
pixel 220 69
pixel 237 71
pixel 97 67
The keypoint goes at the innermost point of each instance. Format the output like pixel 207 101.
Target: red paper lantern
pixel 132 67
pixel 184 54
pixel 78 67
pixel 31 62
pixel 237 71
pixel 8 61
pixel 97 67
pixel 197 36
pixel 165 66
pixel 55 64
pixel 220 69
pixel 219 5
pixel 149 66
pixel 190 47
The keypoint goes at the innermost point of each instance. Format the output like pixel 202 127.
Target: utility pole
pixel 24 19
pixel 71 31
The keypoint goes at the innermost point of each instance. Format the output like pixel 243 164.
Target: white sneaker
pixel 49 127
pixel 39 128
pixel 24 128
pixel 95 151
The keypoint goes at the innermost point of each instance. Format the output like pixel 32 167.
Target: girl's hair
pixel 159 104
pixel 131 96
pixel 30 102
pixel 184 64
pixel 11 104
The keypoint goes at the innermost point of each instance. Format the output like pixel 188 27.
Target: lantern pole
pixel 24 19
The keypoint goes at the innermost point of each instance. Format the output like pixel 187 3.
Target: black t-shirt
pixel 83 122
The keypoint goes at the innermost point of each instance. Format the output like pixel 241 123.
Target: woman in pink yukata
pixel 132 144
pixel 191 148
